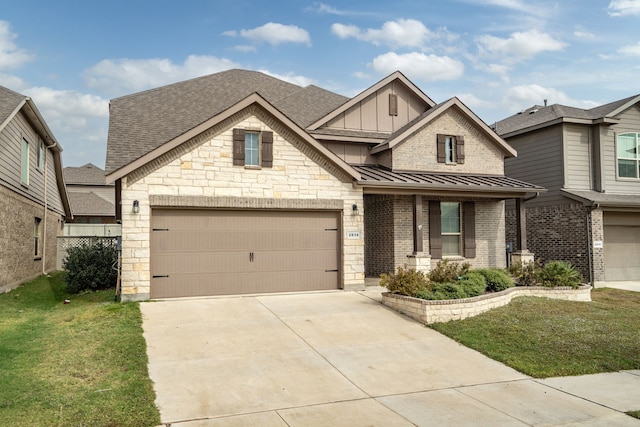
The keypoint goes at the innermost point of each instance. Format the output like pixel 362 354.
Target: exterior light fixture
pixel 354 209
pixel 136 207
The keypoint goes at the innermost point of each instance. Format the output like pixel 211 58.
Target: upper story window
pixel 252 148
pixel 24 169
pixel 627 153
pixel 41 155
pixel 450 149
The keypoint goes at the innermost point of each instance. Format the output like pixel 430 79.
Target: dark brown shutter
pixel 267 149
pixel 435 230
pixel 469 229
pixel 441 149
pixel 459 149
pixel 238 146
pixel 393 104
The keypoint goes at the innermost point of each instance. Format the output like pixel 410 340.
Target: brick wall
pixel 18 262
pixel 557 233
pixel 389 233
pixel 203 168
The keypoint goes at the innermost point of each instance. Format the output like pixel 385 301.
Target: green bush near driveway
pixel 91 267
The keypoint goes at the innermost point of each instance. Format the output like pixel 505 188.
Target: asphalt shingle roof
pixel 90 204
pixel 538 115
pixel 142 122
pixel 89 174
pixel 9 100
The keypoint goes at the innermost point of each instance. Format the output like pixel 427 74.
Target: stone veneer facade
pixel 18 262
pixel 200 173
pixel 564 233
pixel 389 233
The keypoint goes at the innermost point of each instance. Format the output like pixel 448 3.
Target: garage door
pixel 213 252
pixel 621 246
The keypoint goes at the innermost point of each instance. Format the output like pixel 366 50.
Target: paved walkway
pixel 343 359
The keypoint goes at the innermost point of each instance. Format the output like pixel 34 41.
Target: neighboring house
pixel 92 199
pixel 33 198
pixel 590 163
pixel 239 182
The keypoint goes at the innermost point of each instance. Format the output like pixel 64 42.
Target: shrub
pixel 497 279
pixel 447 271
pixel 90 267
pixel 473 283
pixel 526 273
pixel 407 281
pixel 560 273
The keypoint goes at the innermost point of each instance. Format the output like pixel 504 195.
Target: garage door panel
pixel 622 253
pixel 214 252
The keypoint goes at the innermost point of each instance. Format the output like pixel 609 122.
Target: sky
pixel 497 56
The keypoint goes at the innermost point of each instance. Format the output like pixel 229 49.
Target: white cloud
pixel 624 7
pixel 10 55
pixel 14 83
pixel 518 98
pixel 630 50
pixel 519 46
pixel 274 34
pixel 517 5
pixel 291 78
pixel 419 66
pixel 120 76
pixel 581 34
pixel 402 32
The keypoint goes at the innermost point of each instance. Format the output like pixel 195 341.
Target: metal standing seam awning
pixel 380 180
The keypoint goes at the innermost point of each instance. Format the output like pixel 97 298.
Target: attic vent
pixel 393 104
pixel 535 110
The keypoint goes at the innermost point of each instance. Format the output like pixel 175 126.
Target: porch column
pixel 522 254
pixel 418 260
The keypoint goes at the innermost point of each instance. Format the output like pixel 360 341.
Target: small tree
pixel 91 267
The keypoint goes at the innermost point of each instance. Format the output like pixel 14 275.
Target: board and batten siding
pixel 539 162
pixel 372 113
pixel 11 164
pixel 577 157
pixel 629 122
pixel 352 153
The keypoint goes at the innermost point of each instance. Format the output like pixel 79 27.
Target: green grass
pixel 546 338
pixel 80 364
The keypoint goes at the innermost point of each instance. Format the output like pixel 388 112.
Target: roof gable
pixel 365 105
pixel 537 117
pixel 88 174
pixel 253 99
pixel 430 115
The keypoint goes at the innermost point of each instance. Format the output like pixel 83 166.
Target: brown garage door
pixel 213 252
pixel 621 246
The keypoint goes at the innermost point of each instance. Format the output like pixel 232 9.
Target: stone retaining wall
pixel 444 310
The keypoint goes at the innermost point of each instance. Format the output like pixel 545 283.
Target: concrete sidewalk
pixel 343 359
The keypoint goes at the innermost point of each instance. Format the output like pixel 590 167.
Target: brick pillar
pixel 596 228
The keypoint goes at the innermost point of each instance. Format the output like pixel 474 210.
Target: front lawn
pixel 547 338
pixel 81 364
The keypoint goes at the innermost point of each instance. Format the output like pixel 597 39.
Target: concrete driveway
pixel 338 359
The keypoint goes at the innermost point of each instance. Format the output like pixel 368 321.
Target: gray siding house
pixel 589 162
pixel 239 182
pixel 33 198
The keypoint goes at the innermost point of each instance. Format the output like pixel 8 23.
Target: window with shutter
pixel 450 225
pixel 435 238
pixel 252 148
pixel 450 149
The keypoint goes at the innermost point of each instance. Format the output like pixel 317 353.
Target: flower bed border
pixel 435 311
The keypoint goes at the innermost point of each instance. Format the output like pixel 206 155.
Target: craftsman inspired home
pixel 33 198
pixel 589 162
pixel 239 182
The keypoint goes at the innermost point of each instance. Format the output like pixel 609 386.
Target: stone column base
pixel 419 261
pixel 522 257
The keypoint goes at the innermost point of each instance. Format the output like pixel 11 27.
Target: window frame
pixel 24 162
pixel 443 234
pixel 253 150
pixel 450 150
pixel 37 249
pixel 41 154
pixel 636 159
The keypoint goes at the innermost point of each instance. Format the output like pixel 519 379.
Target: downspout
pixel 44 219
pixel 590 242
